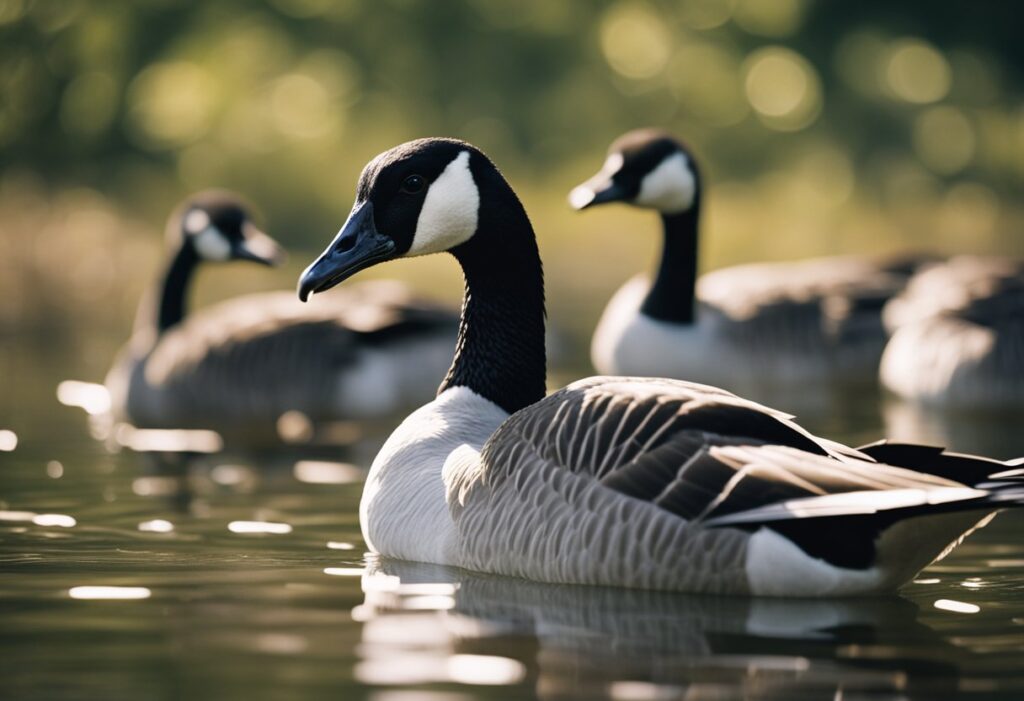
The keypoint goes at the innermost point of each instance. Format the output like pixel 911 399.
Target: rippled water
pixel 144 576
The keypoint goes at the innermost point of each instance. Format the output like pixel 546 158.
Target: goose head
pixel 418 198
pixel 216 226
pixel 646 168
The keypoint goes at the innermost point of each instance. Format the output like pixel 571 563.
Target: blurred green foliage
pixel 822 126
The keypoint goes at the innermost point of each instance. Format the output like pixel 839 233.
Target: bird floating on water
pixel 744 327
pixel 633 482
pixel 239 365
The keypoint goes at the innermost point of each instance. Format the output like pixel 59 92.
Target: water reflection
pixel 327 472
pixel 588 642
pixel 183 479
pixel 157 440
pixel 293 430
pixel 299 613
pixel 92 398
pixel 992 433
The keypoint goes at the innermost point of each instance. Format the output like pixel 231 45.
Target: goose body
pixel 754 325
pixel 242 363
pixel 623 481
pixel 615 481
pixel 958 335
pixel 239 365
pixel 741 327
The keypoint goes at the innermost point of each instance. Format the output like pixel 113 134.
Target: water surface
pixel 145 576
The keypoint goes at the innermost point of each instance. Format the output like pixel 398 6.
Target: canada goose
pixel 958 335
pixel 239 365
pixel 746 326
pixel 636 482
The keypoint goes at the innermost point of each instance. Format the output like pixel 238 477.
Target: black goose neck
pixel 500 351
pixel 174 292
pixel 672 294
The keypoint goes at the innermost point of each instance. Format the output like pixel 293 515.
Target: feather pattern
pixel 693 451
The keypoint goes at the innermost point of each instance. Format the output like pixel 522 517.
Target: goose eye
pixel 413 184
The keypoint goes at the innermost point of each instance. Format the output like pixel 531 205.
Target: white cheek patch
pixel 450 210
pixel 210 244
pixel 670 188
pixel 196 221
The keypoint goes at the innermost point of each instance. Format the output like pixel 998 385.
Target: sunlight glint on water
pixel 108 593
pixel 259 527
pixel 8 440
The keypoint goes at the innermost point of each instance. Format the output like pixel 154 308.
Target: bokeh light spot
pixel 336 71
pixel 783 88
pixel 944 139
pixel 917 72
pixel 54 469
pixel 295 427
pixel 301 106
pixel 172 103
pixel 634 40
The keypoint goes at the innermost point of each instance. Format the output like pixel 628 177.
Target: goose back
pixel 625 480
pixel 757 324
pixel 244 362
pixel 958 334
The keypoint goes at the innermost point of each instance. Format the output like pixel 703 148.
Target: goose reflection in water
pixel 182 478
pixel 994 432
pixel 427 624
